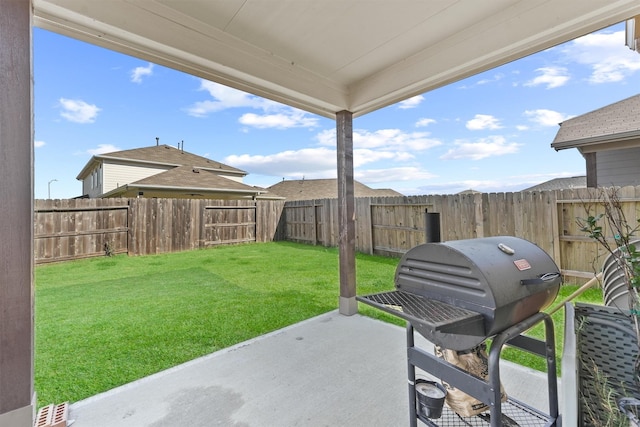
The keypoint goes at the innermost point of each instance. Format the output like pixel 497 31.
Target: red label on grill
pixel 522 264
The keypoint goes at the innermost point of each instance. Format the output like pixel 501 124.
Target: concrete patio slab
pixel 331 370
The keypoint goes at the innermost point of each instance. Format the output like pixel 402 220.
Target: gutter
pixel 128 187
pixel 84 172
pixel 149 162
pixel 577 143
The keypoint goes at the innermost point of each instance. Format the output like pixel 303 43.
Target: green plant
pixel 108 249
pixel 624 250
pixel 607 413
pixel 614 232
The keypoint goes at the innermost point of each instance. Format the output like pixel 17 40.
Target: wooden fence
pixel 391 226
pixel 80 228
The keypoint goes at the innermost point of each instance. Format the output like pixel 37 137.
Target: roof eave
pixel 238 172
pixel 257 70
pixel 85 170
pixel 600 139
pixel 129 187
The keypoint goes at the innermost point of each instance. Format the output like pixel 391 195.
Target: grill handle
pixel 547 277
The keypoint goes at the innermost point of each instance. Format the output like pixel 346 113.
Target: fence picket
pixel 546 218
pixel 79 228
pixel 68 229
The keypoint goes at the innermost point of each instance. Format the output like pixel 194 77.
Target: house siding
pixel 235 178
pixel 116 175
pixel 88 189
pixel 92 184
pixel 618 167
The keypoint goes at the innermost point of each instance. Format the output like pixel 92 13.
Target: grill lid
pixel 459 293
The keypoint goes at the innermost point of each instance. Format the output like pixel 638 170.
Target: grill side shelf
pixel 436 315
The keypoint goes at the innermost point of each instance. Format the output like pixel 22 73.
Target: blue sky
pixel 491 132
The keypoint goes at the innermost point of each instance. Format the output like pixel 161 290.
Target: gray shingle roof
pixel 560 184
pixel 166 154
pixel 190 177
pixel 620 120
pixel 163 155
pixel 310 189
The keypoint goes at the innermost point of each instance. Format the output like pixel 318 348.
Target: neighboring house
pixel 310 189
pixel 560 184
pixel 609 141
pixel 162 171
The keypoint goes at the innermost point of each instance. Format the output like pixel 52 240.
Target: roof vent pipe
pixel 157 141
pixel 182 149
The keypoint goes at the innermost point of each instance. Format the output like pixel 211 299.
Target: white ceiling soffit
pixel 324 56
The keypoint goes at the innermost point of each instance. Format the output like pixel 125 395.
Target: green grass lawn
pixel 103 322
pixel 591 296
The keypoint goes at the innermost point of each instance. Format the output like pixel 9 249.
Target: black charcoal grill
pixel 458 293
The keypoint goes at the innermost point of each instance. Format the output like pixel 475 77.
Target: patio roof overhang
pixel 329 56
pixel 338 59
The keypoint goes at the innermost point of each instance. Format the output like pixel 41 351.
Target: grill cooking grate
pixel 417 309
pixel 516 411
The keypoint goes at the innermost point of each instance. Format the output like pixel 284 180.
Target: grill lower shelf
pixel 426 312
pixel 523 416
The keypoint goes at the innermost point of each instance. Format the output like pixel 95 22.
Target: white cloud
pixel 363 156
pixel 605 54
pixel 139 72
pixel 275 115
pixel 103 148
pixel 412 102
pixel 285 120
pixel 78 111
pixel 388 139
pixel 494 78
pixel 309 162
pixel 328 137
pixel 552 77
pixel 484 81
pixel 225 97
pixel 394 139
pixel 483 121
pixel 485 147
pixel 386 145
pixel 544 117
pixel 407 173
pixel 38 144
pixel 424 122
pixel 508 184
pixel 305 162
